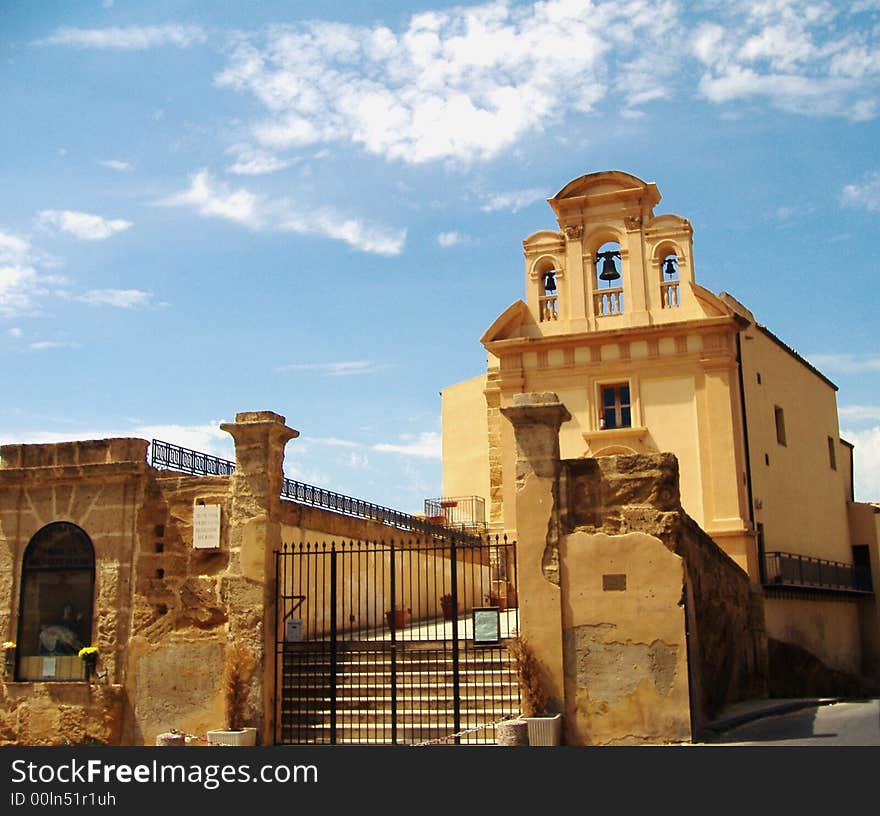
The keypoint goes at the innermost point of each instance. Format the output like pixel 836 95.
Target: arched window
pixel 548 301
pixel 55 607
pixel 608 297
pixel 670 291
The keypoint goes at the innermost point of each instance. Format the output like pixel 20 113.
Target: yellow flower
pixel 88 651
pixel 8 644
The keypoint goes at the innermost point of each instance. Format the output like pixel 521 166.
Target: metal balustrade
pixel 164 455
pixel 783 569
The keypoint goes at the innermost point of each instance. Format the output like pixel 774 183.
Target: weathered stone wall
pixel 728 650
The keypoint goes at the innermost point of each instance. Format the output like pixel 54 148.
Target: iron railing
pixel 807 572
pixel 458 512
pixel 377 642
pixel 173 457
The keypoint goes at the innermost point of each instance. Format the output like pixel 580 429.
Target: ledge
pixel 612 435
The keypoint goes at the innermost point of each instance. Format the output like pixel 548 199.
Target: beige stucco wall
pixel 827 627
pixel 626 670
pixel 802 499
pixel 465 439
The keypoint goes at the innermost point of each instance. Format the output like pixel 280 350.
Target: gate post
pixel 254 534
pixel 536 419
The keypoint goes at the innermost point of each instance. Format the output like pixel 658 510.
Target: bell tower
pixel 614 263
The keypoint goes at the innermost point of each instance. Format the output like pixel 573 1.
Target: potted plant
pixel 397 618
pixel 89 657
pixel 544 725
pixel 447 603
pixel 238 668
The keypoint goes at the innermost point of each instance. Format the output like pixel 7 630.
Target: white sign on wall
pixel 206 526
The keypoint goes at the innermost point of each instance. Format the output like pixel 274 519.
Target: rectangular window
pixel 832 453
pixel 616 409
pixel 780 425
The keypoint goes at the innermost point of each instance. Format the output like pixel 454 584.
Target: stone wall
pixel 643 626
pixel 728 647
pixel 164 611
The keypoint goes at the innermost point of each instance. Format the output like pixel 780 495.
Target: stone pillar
pixel 248 590
pixel 536 419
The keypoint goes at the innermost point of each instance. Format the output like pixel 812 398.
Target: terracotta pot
pixel 399 617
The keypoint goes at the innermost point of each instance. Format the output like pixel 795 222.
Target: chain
pixel 438 740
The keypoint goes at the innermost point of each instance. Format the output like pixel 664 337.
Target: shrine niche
pixel 55 610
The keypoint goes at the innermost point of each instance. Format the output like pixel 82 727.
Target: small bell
pixel 550 282
pixel 669 267
pixel 609 268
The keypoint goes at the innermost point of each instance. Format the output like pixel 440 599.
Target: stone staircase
pixel 401 693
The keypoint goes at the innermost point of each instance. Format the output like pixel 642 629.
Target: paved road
pixel 851 723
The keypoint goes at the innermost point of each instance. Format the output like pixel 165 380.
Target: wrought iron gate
pixel 398 642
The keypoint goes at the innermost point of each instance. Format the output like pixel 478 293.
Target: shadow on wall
pixel 796 672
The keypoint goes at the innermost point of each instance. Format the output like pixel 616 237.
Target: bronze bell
pixel 550 281
pixel 669 267
pixel 609 268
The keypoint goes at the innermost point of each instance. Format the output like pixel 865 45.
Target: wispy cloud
pixel 425 445
pixel 864 194
pixel 859 413
pixel 212 198
pixel 120 298
pixel 47 345
pixel 805 58
pixel 250 161
pixel 85 226
pixel 464 83
pixel 452 239
pixel 127 38
pixel 866 462
pixel 339 369
pixel 846 363
pixel 115 164
pixel 22 283
pixel 512 201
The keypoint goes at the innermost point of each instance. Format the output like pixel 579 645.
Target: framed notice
pixel 487 625
pixel 206 526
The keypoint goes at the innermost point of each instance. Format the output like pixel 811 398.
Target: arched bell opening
pixel 670 285
pixel 608 298
pixel 546 272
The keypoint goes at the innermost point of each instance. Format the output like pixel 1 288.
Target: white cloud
pixel 860 413
pixel 513 201
pixel 465 83
pixel 84 226
pixel 115 164
pixel 21 284
pixel 46 345
pixel 215 199
pixel 809 58
pixel 340 369
pixel 14 332
pixel 127 38
pixel 866 463
pixel 846 363
pixel 451 239
pixel 865 194
pixel 253 162
pixel 426 445
pixel 120 298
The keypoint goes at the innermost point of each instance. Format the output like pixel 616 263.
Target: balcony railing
pixel 608 302
pixel 805 572
pixel 548 308
pixel 670 295
pixel 457 512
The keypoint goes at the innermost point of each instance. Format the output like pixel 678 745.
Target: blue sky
pixel 318 209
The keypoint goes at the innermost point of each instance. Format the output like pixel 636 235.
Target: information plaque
pixel 487 625
pixel 206 526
